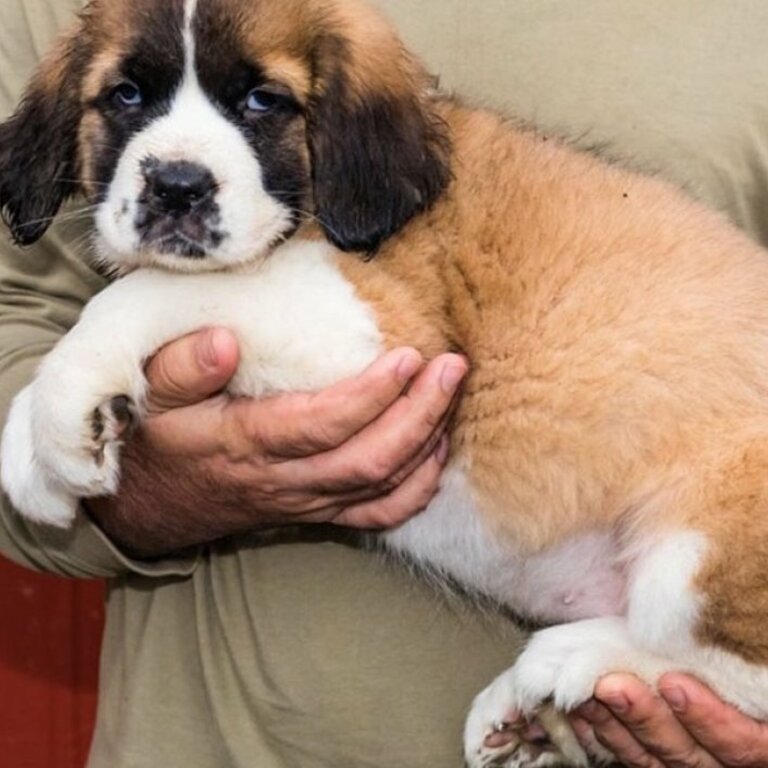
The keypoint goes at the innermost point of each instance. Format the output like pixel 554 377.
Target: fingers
pixel 381 454
pixel 594 724
pixel 686 726
pixel 722 730
pixel 392 457
pixel 191 369
pixel 640 728
pixel 295 425
pixel 410 497
pixel 433 443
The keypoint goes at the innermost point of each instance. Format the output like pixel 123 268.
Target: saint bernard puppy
pixel 287 169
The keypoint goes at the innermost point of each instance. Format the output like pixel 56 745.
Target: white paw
pixel 30 487
pixel 561 663
pixel 557 671
pixel 497 734
pixel 77 437
pixel 564 663
pixel 60 446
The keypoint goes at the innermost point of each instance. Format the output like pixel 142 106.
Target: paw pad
pixel 111 421
pixel 124 413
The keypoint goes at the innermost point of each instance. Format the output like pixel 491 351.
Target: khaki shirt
pixel 312 653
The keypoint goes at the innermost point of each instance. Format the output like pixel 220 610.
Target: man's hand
pixel 365 453
pixel 685 726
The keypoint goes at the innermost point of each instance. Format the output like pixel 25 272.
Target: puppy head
pixel 206 131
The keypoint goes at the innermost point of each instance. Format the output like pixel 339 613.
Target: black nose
pixel 178 187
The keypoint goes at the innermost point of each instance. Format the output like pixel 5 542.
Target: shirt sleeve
pixel 42 291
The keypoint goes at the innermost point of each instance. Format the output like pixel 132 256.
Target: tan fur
pixel 90 135
pixel 104 24
pixel 731 507
pixel 618 336
pixel 286 69
pixel 617 331
pixel 101 71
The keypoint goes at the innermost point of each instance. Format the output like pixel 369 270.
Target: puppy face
pixel 206 131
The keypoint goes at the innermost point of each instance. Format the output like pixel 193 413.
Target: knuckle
pixel 255 432
pixel 688 757
pixel 322 420
pixel 289 504
pixel 746 756
pixel 414 506
pixel 321 434
pixel 379 470
pixel 382 487
pixel 394 509
pixel 630 755
pixel 385 514
pixel 636 757
pixel 268 489
pixel 427 493
pixel 396 478
pixel 430 412
pixel 165 380
pixel 241 436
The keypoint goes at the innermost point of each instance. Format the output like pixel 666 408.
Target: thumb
pixel 191 369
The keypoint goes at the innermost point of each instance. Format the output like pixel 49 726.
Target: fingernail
pixel 208 357
pixel 442 450
pixel 408 366
pixel 451 377
pixel 676 698
pixel 617 702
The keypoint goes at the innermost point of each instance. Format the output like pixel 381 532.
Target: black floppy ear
pixel 379 152
pixel 38 147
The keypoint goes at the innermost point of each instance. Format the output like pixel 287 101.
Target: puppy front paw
pixel 77 437
pixel 60 446
pixel 32 489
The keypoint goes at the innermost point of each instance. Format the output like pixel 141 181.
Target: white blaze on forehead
pixel 190 8
pixel 194 131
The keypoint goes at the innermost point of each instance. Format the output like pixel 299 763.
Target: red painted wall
pixel 50 632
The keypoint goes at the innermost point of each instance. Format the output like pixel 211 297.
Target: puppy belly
pixel 579 578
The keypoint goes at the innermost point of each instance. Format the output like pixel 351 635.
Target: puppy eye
pixel 260 100
pixel 127 95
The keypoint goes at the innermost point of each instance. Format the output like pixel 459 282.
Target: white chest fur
pixel 580 578
pixel 298 321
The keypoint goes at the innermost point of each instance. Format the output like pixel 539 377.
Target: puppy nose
pixel 180 186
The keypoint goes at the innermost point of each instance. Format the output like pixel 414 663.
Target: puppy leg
pixel 556 672
pixel 64 430
pixel 697 602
